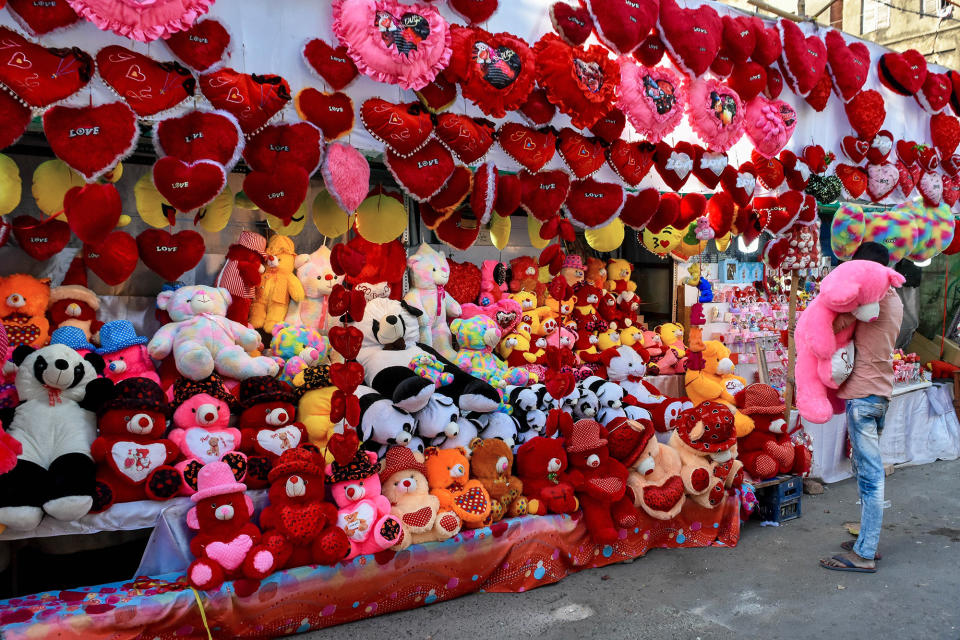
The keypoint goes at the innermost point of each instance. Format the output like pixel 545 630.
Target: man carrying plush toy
pixel 867 393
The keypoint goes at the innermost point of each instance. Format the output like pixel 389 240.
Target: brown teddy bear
pixel 655 475
pixel 404 482
pixel 448 474
pixel 492 464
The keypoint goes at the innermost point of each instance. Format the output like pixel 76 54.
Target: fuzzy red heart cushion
pixel 674 164
pixel 769 171
pixel 200 135
pixel 816 158
pixel 14 119
pixel 748 80
pixel 403 128
pixel 934 95
pixel 537 109
pixel 41 76
pixel 40 18
pixel 188 186
pixel 41 240
pixel 113 259
pixel 951 190
pixel 880 147
pixel 468 138
pixel 866 113
pixel 424 173
pixel 542 194
pixel 582 82
pixel 483 194
pixel 439 95
pixel 803 59
pixel 692 36
pixel 740 183
pixel 583 156
pixel 346 341
pixel 458 232
pixel 907 151
pixel 795 171
pixel 331 112
pixel 455 191
pixel 474 11
pixel 92 211
pixel 720 212
pixel 170 255
pixel 148 86
pixel 708 166
pixel 819 96
pixel 903 73
pixel 593 204
pixel 722 65
pixel 768 45
pixel 668 210
pixel 299 143
pixel 692 206
pixel 622 24
pixel 739 38
pixel 906 181
pixel 854 148
pixel 280 191
pixel 631 161
pixel 464 283
pixel 346 376
pixel 495 71
pixel 610 127
pixel 252 99
pixel 774 84
pixel 945 133
pixel 650 51
pixel 509 194
pixel 91 140
pixel 853 179
pixel 574 24
pixel 532 148
pixel 951 164
pixel 639 208
pixel 847 64
pixel 333 65
pixel 431 216
pixel 201 47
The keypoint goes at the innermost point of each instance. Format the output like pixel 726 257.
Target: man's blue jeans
pixel 865 424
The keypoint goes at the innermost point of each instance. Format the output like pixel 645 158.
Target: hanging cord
pixel 943 327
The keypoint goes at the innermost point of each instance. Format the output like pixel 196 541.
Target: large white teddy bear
pixel 429 275
pixel 202 339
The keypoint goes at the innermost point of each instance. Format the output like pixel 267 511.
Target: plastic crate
pixel 781 502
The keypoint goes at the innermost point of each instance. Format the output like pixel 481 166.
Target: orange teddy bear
pixel 23 306
pixel 448 474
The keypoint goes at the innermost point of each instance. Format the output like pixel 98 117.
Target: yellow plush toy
pixel 608 339
pixel 716 382
pixel 528 302
pixel 619 282
pixel 313 410
pixel 671 335
pixel 543 322
pixel 630 336
pixel 515 349
pixel 278 285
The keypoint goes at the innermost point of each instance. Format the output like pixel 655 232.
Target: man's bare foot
pixel 849 561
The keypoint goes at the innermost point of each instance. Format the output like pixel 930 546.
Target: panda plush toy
pixel 382 424
pixel 56 425
pixel 390 332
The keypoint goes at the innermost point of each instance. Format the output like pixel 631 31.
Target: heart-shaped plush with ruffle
pixel 904 72
pixel 424 173
pixel 91 140
pixel 769 171
pixel 804 58
pixel 748 79
pixel 652 99
pixel 509 194
pixel 41 76
pixel 622 24
pixel 542 194
pixel 866 113
pixel 716 114
pixel 574 24
pixel 882 179
pixel 483 194
pixel 674 164
pixel 853 179
pixel 854 148
pixel 298 143
pixel 768 45
pixel 945 133
pixel 14 119
pixel 537 109
pixel 720 211
pixel 880 147
pixel 631 161
pixel 200 135
pixel 708 166
pixel 113 259
pixel 170 255
pixel 650 51
pixel 847 64
pixel 934 95
pixel 188 186
pixel 769 125
pixel 468 138
pixel 668 210
pixel 331 112
pixel 202 46
pixel 252 99
pixel 692 36
pixel 92 211
pixel 454 192
pixel 582 82
pixel 403 128
pixel 148 86
pixel 639 208
pixel 593 204
pixel 332 65
pixel 439 95
pixel 279 191
pixel 740 183
pixel 41 240
pixel 930 187
pixel 495 71
pixel 532 148
pixel 583 156
pixel 40 18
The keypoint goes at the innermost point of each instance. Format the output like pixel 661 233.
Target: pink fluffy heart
pixel 769 125
pixel 346 174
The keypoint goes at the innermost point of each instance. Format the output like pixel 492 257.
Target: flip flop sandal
pixel 847 566
pixel 848 546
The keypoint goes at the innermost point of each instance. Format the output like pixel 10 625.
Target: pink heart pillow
pixel 769 125
pixel 652 99
pixel 716 114
pixel 346 175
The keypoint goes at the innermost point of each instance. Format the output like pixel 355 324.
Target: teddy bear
pixel 134 460
pixel 242 273
pixel 630 312
pixel 227 545
pixel 314 272
pixel 588 320
pixel 547 486
pixel 573 271
pixel 383 267
pixel 609 310
pixel 278 285
pixel 477 337
pixel 493 282
pixel 124 353
pixel 671 336
pixel 716 382
pixel 768 450
pixel 429 274
pixel 823 363
pixel 632 336
pixel 448 474
pixel 315 393
pixel 596 273
pixel 705 439
pixel 267 425
pixel 403 476
pixel 23 307
pixel 74 305
pixel 524 278
pixel 655 476
pixel 528 302
pixel 599 481
pixel 50 434
pixel 491 462
pixel 657 354
pixel 299 524
pixel 202 340
pixel 619 274
pixel 363 511
pixel 626 367
pixel 296 347
pixel 201 418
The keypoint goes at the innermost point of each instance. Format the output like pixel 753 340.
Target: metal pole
pixel 791 345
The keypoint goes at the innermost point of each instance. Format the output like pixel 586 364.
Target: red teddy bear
pixel 134 460
pixel 600 482
pixel 267 428
pixel 241 275
pixel 524 276
pixel 542 468
pixel 768 450
pixel 227 545
pixel 301 526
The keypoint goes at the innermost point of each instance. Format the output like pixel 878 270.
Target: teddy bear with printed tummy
pixel 429 275
pixel 227 545
pixel 202 340
pixel 134 460
pixel 716 382
pixel 655 477
pixel 706 441
pixel 23 307
pixel 404 480
pixel 547 486
pixel 267 425
pixel 619 272
pixel 626 367
pixel 491 462
pixel 318 280
pixel 363 511
pixel 51 432
pixel 125 353
pixel 824 355
pixel 768 450
pixel 278 286
pixel 448 474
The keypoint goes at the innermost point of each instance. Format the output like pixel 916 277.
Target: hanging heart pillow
pixel 112 259
pixel 39 76
pixel 188 186
pixel 853 179
pixel 532 148
pixel 769 171
pixel 574 24
pixel 474 11
pixel 423 174
pixel 795 172
pixel 92 211
pixel 202 46
pixel 454 192
pixel 774 84
pixel 14 119
pixel 252 99
pixel 437 96
pixel 458 232
pixel 495 71
pixel 692 36
pixel 148 86
pixel 542 194
pixel 716 113
pixel 720 213
pixel 739 183
pixel 583 156
pixel 468 138
pixel 537 109
pixel 880 147
pixel 91 140
pixel 854 148
pixel 652 99
pixel 906 181
pixel 768 46
pixel 41 240
pixel 346 175
pixel 41 18
pixel 394 43
pixel 934 95
pixel 804 58
pixel 882 179
pixel 610 127
pixel 748 80
pixel 769 125
pixel 903 73
pixel 581 82
pixel 622 24
pixel 866 113
pixel 930 187
pixel 651 50
pixel 509 192
pixel 847 64
pixel 404 128
pixel 667 212
pixel 170 255
pixel 200 135
pixel 639 208
pixel 674 164
pixel 631 161
pixel 331 112
pixel 593 204
pixel 739 38
pixel 279 192
pixel 332 65
pixel 484 193
pixel 945 133
pixel 819 96
pixel 299 143
pixel 951 165
pixel 143 21
pixel 708 166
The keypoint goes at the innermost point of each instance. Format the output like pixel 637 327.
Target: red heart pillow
pixel 816 158
pixel 623 24
pixel 509 194
pixel 934 95
pixel 610 127
pixel 768 46
pixel 458 232
pixel 279 191
pixel 770 171
pixel 532 148
pixel 148 86
pixel 668 210
pixel 674 164
pixel 537 109
pixel 170 255
pixel 14 119
pixel 483 194
pixel 495 72
pixel 692 36
pixel 720 212
pixel 346 341
pixel 774 84
pixel 722 65
pixel 113 259
pixel 631 161
pixel 593 204
pixel 951 190
pixel 332 65
pixel 951 164
pixel 474 11
pixel 464 283
pixel 252 99
pixel 438 95
pixel 92 211
pixel 945 133
pixel 201 47
pixel 803 59
pixel 574 24
pixel 454 192
pixel 188 186
pixel 468 138
pixel 740 183
pixel 866 113
pixel 200 135
pixel 692 206
pixel 581 82
pixel 331 112
pixel 907 151
pixel 819 96
pixel 927 158
pixel 739 38
pixel 708 166
pixel 906 181
pixel 41 240
pixel 853 179
pixel 903 73
pixel 41 76
pixel 848 64
pixel 40 18
pixel 880 147
pixel 403 128
pixel 748 80
pixel 542 194
pixel 639 208
pixel 299 143
pixel 583 156
pixel 423 174
pixel 92 140
pixel 796 172
pixel 650 51
pixel 854 148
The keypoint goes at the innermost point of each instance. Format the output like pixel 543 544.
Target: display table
pixel 920 427
pixel 512 556
pixel 672 385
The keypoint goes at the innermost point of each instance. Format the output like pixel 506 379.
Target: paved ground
pixel 768 587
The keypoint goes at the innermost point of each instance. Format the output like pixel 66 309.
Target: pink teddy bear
pixel 364 513
pixel 203 435
pixel 125 353
pixel 824 356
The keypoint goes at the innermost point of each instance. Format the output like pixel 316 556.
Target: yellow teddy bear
pixel 608 339
pixel 716 382
pixel 630 336
pixel 278 285
pixel 671 335
pixel 619 273
pixel 313 409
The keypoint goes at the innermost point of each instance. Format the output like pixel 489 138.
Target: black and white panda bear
pixel 438 420
pixel 390 332
pixel 382 425
pixel 497 424
pixel 55 422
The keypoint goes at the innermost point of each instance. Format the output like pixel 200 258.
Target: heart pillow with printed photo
pixel 652 99
pixel 581 81
pixel 716 114
pixel 495 71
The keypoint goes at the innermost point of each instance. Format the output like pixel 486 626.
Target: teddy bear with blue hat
pixel 72 337
pixel 125 353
